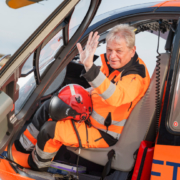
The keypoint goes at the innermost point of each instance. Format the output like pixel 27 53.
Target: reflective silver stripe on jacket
pixel 97 117
pixel 39 164
pixel 98 80
pixel 33 131
pixel 119 123
pixel 26 143
pixel 45 155
pixel 109 91
pixel 100 119
pixel 113 134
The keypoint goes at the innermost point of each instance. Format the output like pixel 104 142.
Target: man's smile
pixel 114 61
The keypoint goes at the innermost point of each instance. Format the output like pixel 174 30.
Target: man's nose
pixel 113 54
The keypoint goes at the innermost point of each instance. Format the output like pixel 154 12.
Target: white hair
pixel 122 30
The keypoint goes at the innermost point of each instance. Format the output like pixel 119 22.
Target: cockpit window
pixel 26 84
pixel 23 22
pixel 78 15
pixel 142 48
pixel 108 8
pixel 174 120
pixel 28 65
pixel 49 50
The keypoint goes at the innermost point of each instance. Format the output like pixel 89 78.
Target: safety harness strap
pixel 107 167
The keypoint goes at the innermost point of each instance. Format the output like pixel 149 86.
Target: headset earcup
pixel 59 110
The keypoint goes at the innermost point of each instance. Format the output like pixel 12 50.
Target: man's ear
pixel 133 50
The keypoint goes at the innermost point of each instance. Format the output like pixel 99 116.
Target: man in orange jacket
pixel 117 87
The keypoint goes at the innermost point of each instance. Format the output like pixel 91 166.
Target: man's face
pixel 118 54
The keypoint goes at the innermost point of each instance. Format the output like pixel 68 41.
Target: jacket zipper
pixel 87 139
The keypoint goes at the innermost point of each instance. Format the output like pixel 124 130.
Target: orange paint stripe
pixel 7 172
pixel 173 3
pixel 166 154
pixel 30 137
pixel 6 148
pixel 160 4
pixel 12 108
pixel 2 66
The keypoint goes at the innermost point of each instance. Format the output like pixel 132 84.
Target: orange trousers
pixel 53 135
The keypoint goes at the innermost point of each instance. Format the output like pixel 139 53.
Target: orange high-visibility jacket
pixel 115 93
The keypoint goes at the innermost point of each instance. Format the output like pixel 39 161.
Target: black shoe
pixel 34 166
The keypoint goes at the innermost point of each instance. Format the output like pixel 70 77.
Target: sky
pixel 18 24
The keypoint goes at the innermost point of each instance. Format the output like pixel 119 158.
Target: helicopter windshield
pixel 27 82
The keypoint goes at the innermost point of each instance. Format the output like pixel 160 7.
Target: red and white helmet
pixel 72 102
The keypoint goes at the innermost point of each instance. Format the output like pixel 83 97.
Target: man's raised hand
pixel 86 55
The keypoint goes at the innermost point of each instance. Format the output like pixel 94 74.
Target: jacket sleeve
pixel 125 91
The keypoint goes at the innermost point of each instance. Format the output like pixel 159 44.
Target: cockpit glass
pixel 111 7
pixel 18 24
pixel 49 50
pixel 107 8
pixel 78 15
pixel 26 84
pixel 174 120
